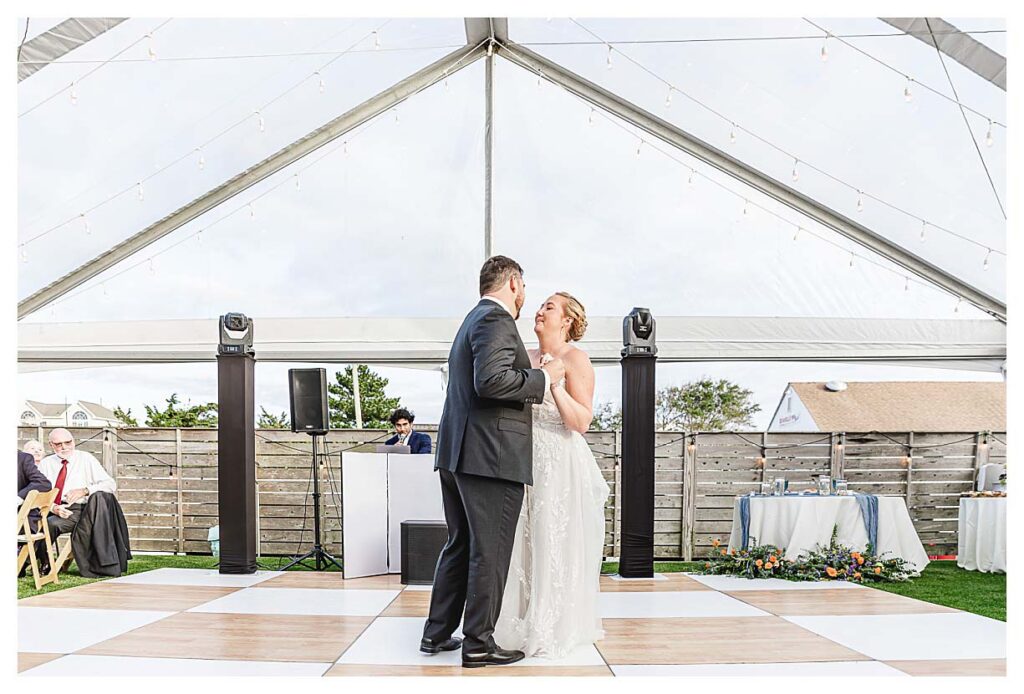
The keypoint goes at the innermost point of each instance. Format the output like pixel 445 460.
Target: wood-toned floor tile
pixel 835 602
pixel 210 635
pixel 105 595
pixel 672 583
pixel 458 671
pixel 685 640
pixel 331 579
pixel 993 667
pixel 30 660
pixel 409 603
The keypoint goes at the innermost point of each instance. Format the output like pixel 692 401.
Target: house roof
pixel 907 406
pixel 47 409
pixel 98 411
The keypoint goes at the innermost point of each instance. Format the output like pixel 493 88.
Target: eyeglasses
pixel 59 444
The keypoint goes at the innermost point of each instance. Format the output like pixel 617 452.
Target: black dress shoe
pixel 428 646
pixel 498 656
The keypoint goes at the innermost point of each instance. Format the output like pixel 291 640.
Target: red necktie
pixel 60 480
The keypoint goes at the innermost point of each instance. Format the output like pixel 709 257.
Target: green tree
pixel 187 416
pixel 703 405
pixel 272 421
pixel 376 407
pixel 125 417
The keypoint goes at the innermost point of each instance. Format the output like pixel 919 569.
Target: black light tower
pixel 639 354
pixel 236 445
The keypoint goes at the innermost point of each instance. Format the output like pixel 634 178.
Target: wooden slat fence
pixel 167 480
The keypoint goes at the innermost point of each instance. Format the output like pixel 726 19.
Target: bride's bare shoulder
pixel 576 357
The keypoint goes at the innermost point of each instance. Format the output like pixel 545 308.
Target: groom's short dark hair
pixel 496 271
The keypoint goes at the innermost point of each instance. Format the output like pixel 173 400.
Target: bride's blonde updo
pixel 574 309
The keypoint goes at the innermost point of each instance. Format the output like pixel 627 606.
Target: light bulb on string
pixel 797 232
pixel 745 203
pixel 85 223
pixel 540 76
pixel 907 95
pixel 590 118
pixel 689 179
pixel 103 286
pixel 344 148
pixel 199 237
pixel 446 80
pixel 639 144
pixel 668 98
pixel 201 161
pixel 140 192
pixel 851 259
pixel 824 50
pixel 732 134
pixel 73 96
pixel 151 51
pixel 260 124
pixel 152 268
pixel 24 255
pixel 609 60
pixel 984 266
pixel 956 309
pixel 376 40
pixel 796 171
pixel 924 228
pixel 860 201
pixel 988 135
pixel 906 284
pixel 905 462
pixel 395 111
pixel 297 184
pixel 252 211
pixel 321 85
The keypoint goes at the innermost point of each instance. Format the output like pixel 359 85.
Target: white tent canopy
pixel 775 300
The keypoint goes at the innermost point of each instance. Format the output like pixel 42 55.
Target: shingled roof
pixel 907 406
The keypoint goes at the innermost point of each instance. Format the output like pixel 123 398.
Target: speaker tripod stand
pixel 322 558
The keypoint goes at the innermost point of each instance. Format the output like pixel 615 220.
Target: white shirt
pixel 84 472
pixel 499 302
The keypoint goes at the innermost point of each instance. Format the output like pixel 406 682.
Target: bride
pixel 550 601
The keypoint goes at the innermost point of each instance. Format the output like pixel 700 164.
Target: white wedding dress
pixel 550 602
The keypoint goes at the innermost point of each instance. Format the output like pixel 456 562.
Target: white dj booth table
pixel 379 491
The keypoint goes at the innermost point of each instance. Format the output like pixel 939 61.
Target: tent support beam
pixel 961 47
pixel 488 152
pixel 364 112
pixel 684 141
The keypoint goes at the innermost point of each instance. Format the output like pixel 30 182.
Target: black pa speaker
pixel 307 393
pixel 422 542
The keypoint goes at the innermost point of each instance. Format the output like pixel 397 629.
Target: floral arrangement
pixel 983 495
pixel 835 562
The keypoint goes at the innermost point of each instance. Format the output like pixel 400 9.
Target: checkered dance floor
pixel 197 622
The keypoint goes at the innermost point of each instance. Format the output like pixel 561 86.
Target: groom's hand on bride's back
pixel 555 369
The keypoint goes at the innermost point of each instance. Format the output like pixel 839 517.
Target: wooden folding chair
pixel 27 538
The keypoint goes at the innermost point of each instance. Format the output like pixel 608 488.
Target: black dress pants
pixel 481 513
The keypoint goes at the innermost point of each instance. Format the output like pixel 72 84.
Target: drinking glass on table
pixel 842 487
pixel 824 485
pixel 766 488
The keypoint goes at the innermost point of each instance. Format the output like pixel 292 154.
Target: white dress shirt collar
pixel 499 302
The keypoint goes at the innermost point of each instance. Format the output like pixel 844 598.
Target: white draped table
pixel 982 530
pixel 798 524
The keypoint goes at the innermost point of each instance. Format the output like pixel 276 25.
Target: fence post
pixel 616 478
pixel 689 494
pixel 910 470
pixel 39 436
pixel 181 506
pixel 980 454
pixel 109 461
pixel 838 455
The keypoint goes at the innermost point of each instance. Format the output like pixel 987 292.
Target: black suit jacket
pixel 29 478
pixel 418 442
pixel 486 426
pixel 100 540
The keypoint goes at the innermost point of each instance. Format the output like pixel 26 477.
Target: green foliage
pixel 704 405
pixel 125 418
pixel 271 421
pixel 375 405
pixel 187 416
pixel 835 562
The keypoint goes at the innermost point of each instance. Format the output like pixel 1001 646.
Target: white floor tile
pixel 947 636
pixel 426 588
pixel 308 601
pixel 836 669
pixel 66 629
pixel 691 603
pixel 728 583
pixel 395 641
pixel 197 577
pixel 657 577
pixel 119 666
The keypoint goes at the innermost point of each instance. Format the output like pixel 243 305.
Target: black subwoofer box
pixel 422 542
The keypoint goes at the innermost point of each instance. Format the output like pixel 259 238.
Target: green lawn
pixel 942 582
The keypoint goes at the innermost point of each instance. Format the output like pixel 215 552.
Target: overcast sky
pixel 393 225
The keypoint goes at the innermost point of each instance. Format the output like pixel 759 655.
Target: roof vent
pixel 836 386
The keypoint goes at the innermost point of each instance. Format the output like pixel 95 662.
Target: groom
pixel 484 457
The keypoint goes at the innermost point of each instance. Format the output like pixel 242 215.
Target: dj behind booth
pixel 417 442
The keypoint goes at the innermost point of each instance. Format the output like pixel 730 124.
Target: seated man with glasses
pixel 78 477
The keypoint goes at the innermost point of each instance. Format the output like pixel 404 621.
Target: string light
pixel 956 309
pixel 745 203
pixel 796 172
pixel 85 223
pixel 984 266
pixel 906 283
pixel 907 95
pixel 395 111
pixel 692 445
pixel 252 211
pixel 297 186
pixel 590 118
pixel 152 268
pixel 851 258
pixel 201 161
pixel 103 286
pixel 344 147
pixel 446 80
pixel 321 85
pixel 983 444
pixel 924 227
pixel 376 40
pixel 639 144
pixel 689 179
pixel 797 232
pixel 907 459
pixel 151 51
pixel 199 237
pixel 540 76
pixel 988 135
pixel 732 134
pixel 609 61
pixel 824 50
pixel 761 459
pixel 141 193
pixel 24 255
pixel 668 98
pixel 73 96
pixel 260 124
pixel 860 201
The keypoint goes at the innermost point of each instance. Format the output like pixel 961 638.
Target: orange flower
pixel 830 571
pixel 860 560
pixel 707 565
pixel 772 558
pixel 769 566
pixel 732 552
pixel 723 552
pixel 856 574
pixel 878 569
pixel 759 563
pixel 715 543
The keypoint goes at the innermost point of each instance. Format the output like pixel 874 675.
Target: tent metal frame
pixel 487 37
